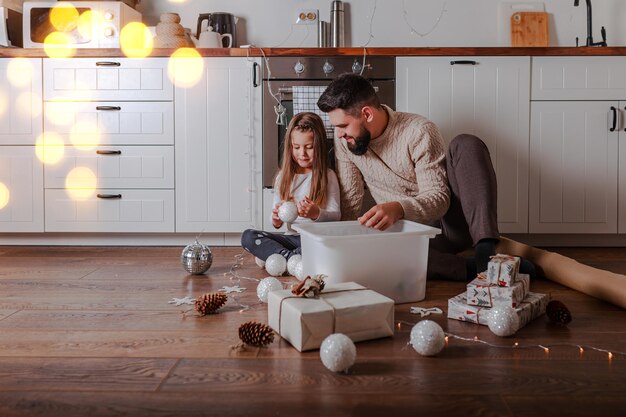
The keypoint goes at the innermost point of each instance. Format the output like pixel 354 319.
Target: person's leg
pixel 471 220
pixel 472 217
pixel 263 244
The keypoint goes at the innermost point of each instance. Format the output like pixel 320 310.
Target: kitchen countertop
pixel 447 51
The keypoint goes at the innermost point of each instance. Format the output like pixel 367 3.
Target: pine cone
pixel 256 334
pixel 209 303
pixel 558 313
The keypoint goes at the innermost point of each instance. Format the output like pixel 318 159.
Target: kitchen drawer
pixel 116 166
pixel 90 79
pixel 132 211
pixel 579 78
pixel 111 123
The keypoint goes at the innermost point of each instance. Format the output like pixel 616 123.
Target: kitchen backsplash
pixel 387 23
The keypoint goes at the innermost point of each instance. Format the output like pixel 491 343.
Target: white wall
pixel 270 23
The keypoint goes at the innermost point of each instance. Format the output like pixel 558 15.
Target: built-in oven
pixel 278 100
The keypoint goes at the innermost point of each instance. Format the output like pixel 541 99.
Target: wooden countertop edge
pixel 444 51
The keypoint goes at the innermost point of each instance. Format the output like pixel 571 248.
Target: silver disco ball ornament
pixel 196 258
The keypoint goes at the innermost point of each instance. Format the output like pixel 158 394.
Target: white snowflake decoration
pixel 235 288
pixel 180 301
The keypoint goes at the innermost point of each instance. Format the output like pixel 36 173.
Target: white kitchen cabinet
pixel 21 171
pixel 107 79
pixel 110 210
pixel 577 182
pixel 574 167
pixel 115 120
pixel 218 149
pixel 485 96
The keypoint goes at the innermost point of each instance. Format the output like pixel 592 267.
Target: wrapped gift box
pixel 502 270
pixel 532 307
pixel 483 294
pixel 347 308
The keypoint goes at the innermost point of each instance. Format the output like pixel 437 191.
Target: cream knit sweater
pixel 405 164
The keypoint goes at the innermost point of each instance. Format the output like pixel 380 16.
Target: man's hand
pixel 307 208
pixel 381 216
pixel 276 221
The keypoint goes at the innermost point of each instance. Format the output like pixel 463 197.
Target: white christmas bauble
pixel 338 352
pixel 427 338
pixel 288 212
pixel 259 262
pixel 298 271
pixel 265 286
pixel 292 262
pixel 276 265
pixel 503 320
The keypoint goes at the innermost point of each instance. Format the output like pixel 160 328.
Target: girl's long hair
pixel 305 122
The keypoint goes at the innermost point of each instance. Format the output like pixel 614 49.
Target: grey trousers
pixel 472 215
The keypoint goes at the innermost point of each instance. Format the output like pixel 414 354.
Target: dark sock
pixel 527 267
pixel 483 251
pixel 470 267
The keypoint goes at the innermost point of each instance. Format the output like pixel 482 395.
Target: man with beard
pixel 402 159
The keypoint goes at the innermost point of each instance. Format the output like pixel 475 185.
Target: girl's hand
pixel 308 209
pixel 276 221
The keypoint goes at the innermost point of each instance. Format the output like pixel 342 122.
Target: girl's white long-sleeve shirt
pixel 301 187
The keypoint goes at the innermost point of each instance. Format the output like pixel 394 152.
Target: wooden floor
pixel 89 332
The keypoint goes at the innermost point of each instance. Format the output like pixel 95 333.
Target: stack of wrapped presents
pixel 501 284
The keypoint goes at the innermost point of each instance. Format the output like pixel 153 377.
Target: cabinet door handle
pixel 107 64
pixel 255 67
pixel 109 152
pixel 109 108
pixel 624 126
pixel 614 110
pixel 109 196
pixel 463 62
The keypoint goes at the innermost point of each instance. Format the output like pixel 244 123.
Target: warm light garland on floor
pixel 545 347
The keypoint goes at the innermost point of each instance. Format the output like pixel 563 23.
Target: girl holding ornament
pixel 305 189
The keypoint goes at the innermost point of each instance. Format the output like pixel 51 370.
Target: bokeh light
pixel 4 196
pixel 58 45
pixel 64 17
pixel 84 135
pixel 88 20
pixel 24 103
pixel 81 183
pixel 49 148
pixel 4 102
pixel 136 40
pixel 185 67
pixel 20 72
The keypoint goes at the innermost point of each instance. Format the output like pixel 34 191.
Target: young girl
pixel 305 179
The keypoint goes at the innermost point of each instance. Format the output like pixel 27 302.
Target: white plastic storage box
pixel 392 262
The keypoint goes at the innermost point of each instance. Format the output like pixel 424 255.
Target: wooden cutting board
pixel 529 29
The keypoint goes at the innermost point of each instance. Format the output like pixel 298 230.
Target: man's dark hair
pixel 348 92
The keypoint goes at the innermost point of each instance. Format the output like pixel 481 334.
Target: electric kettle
pixel 222 23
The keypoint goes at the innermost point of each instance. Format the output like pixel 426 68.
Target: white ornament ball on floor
pixel 298 271
pixel 276 265
pixel 503 320
pixel 292 262
pixel 338 352
pixel 266 286
pixel 259 262
pixel 288 212
pixel 427 338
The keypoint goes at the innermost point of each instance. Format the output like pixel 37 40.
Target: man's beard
pixel 361 142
